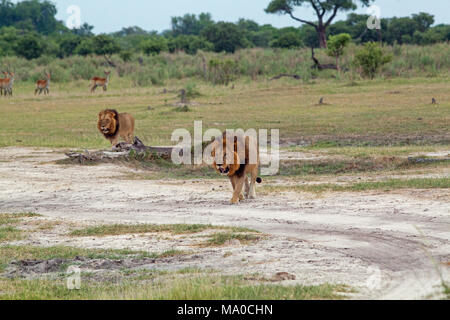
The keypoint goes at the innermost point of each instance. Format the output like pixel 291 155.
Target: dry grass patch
pixel 195 287
pixel 8 224
pixel 224 238
pixel 388 185
pixel 10 253
pixel 118 229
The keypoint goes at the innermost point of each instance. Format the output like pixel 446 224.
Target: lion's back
pixel 126 124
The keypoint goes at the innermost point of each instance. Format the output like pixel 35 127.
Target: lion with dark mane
pixel 236 156
pixel 114 125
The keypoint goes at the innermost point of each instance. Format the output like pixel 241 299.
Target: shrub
pixel 103 44
pixel 221 71
pixel 29 47
pixel 126 55
pixel 154 45
pixel 371 58
pixel 336 46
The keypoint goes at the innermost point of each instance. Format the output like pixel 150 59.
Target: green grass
pixel 367 114
pixel 8 223
pixel 9 253
pixel 10 233
pixel 388 185
pixel 194 287
pixel 118 229
pixel 219 239
pixel 10 218
pixel 373 151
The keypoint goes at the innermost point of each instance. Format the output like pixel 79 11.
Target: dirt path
pixel 384 244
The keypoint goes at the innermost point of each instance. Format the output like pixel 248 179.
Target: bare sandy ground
pixel 386 245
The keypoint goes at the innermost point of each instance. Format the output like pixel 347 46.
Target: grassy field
pixel 135 283
pixel 366 132
pixel 380 112
pixel 196 287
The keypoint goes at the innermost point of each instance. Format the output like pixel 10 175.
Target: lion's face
pixel 226 165
pixel 107 122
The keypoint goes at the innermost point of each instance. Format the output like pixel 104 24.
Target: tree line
pixel 30 29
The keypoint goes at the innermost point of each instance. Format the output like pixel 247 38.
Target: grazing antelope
pixel 100 82
pixel 43 85
pixel 3 83
pixel 6 84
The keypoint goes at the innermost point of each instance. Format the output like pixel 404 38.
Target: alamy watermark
pixel 74 278
pixel 189 150
pixel 74 19
pixel 374 21
pixel 373 282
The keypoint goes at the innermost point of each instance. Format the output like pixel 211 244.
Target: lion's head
pixel 226 159
pixel 108 122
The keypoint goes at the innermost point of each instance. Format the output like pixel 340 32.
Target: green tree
pixel 189 44
pixel 154 45
pixel 189 24
pixel 225 36
pixel 321 8
pixel 68 45
pixel 29 47
pixel 287 38
pixel 104 44
pixel 423 21
pixel 336 46
pixel 31 15
pixel 85 30
pixel 8 39
pixel 85 47
pixel 371 58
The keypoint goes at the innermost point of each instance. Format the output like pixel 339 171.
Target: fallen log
pixel 121 150
pixel 318 65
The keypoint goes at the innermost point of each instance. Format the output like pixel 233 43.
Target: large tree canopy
pixel 30 15
pixel 326 11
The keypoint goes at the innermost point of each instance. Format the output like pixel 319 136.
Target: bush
pixel 371 58
pixel 222 71
pixel 154 45
pixel 103 44
pixel 29 47
pixel 189 44
pixel 336 46
pixel 225 36
pixel 126 55
pixel 84 48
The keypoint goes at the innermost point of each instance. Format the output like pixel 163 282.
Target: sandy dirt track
pixel 386 245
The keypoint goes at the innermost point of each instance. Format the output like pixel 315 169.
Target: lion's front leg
pixel 247 187
pixel 114 141
pixel 237 194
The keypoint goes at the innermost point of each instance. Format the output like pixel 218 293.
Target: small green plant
pixel 222 71
pixel 192 91
pixel 154 46
pixel 371 58
pixel 126 55
pixel 336 46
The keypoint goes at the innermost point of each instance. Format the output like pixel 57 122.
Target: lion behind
pixel 114 125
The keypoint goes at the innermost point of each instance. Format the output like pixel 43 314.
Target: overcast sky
pixel 112 15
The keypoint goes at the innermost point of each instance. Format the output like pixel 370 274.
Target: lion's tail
pixel 258 180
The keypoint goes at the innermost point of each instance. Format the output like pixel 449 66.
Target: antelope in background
pixel 3 83
pixel 6 84
pixel 43 85
pixel 100 82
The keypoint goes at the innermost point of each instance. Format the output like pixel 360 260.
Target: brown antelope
pixel 43 85
pixel 100 82
pixel 6 84
pixel 3 83
pixel 11 83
